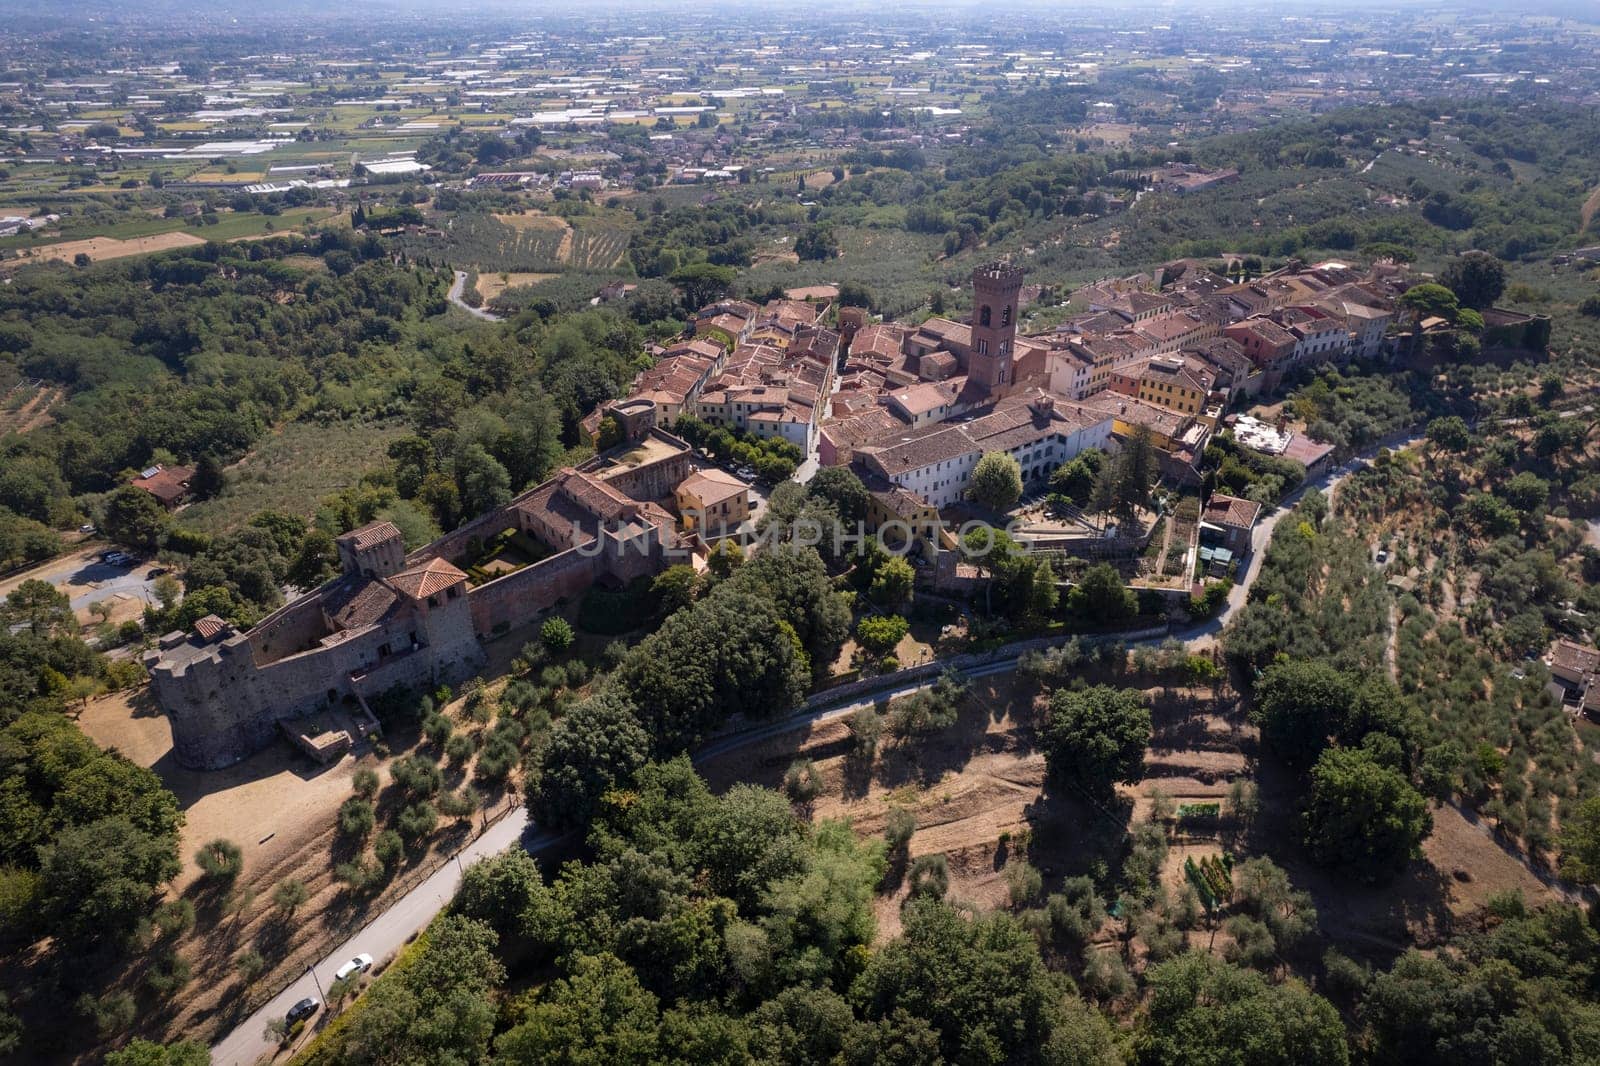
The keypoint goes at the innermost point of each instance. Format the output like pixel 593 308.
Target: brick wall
pixel 517 597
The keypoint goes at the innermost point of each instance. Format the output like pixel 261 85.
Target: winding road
pixel 386 934
pixel 456 288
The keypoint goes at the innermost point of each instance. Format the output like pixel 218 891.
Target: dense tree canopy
pixel 1096 737
pixel 996 482
pixel 1204 1011
pixel 1363 817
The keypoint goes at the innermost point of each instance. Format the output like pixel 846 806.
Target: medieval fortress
pixel 393 619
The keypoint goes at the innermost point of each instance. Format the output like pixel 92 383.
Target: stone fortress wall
pixel 225 692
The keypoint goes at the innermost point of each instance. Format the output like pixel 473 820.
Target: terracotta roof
pixel 1265 329
pixel 431 577
pixel 947 331
pixel 595 496
pixel 1010 425
pixel 1178 371
pixel 703 349
pixel 1224 510
pixel 1572 656
pixel 1304 450
pixel 1171 326
pixel 168 484
pixel 712 486
pixel 210 627
pixel 1094 323
pixel 1138 413
pixel 884 339
pixel 369 535
pixel 921 399
pixel 902 502
pixel 355 602
pixel 1137 302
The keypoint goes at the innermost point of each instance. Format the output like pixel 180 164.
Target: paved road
pixel 394 927
pixel 83 567
pixel 456 288
pixel 380 938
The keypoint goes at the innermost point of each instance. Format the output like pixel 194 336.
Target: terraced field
pixel 27 406
pixel 532 243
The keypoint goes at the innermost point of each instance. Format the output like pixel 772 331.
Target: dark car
pixel 157 571
pixel 304 1009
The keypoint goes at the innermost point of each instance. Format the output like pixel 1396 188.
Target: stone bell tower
pixel 996 288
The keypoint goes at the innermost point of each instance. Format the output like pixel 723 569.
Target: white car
pixel 359 964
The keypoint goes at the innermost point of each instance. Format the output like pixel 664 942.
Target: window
pixel 983 315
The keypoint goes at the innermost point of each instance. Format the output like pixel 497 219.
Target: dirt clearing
pixel 492 285
pixel 280 808
pixel 28 409
pixel 98 248
pixel 1590 206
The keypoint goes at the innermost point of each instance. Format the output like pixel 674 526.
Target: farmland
pixel 526 243
pixel 980 799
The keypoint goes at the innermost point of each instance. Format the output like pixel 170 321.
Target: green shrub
pixel 220 860
pixel 417 822
pixel 556 635
pixel 357 817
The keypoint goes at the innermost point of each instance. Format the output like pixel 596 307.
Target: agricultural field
pixel 490 285
pixel 143 236
pixel 526 243
pixel 27 406
pixel 980 799
pixel 291 469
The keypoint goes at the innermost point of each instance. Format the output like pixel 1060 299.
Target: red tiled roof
pixel 712 486
pixel 168 484
pixel 369 535
pixel 427 579
pixel 1578 658
pixel 210 626
pixel 1224 510
pixel 356 602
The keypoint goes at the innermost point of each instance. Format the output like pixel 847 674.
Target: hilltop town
pixel 726 534
pixel 911 410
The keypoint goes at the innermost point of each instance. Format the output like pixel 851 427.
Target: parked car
pixel 1383 555
pixel 87 529
pixel 360 964
pixel 304 1009
pixel 117 558
pixel 157 571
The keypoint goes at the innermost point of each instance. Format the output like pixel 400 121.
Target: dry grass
pixel 292 469
pixel 1111 133
pixel 281 809
pixel 545 223
pixel 492 285
pixel 98 248
pixel 31 413
pixel 533 220
pixel 1590 206
pixel 978 794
